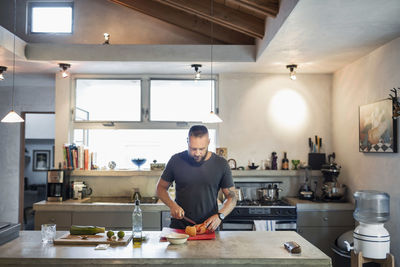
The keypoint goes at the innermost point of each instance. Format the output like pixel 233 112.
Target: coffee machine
pixel 332 190
pixel 58 185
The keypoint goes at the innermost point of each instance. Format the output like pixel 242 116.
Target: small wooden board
pixel 96 239
pixel 166 230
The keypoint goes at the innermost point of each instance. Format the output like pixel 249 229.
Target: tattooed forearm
pixel 232 195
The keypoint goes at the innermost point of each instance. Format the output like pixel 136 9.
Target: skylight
pixel 48 17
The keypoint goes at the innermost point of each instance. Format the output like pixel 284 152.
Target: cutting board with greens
pixel 100 238
pixel 93 235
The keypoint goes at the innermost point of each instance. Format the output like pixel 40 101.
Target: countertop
pixel 229 248
pixel 80 205
pixel 307 205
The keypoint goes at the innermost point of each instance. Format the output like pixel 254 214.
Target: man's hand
pixel 177 212
pixel 212 223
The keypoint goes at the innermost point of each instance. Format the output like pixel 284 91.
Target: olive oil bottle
pixel 137 224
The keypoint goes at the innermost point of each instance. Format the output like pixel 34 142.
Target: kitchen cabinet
pixel 62 219
pixel 322 227
pixel 120 219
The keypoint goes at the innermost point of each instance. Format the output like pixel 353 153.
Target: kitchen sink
pixel 143 200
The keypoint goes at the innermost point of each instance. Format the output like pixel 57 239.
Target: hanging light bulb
pixel 12 116
pixel 2 69
pixel 292 68
pixel 64 67
pixel 196 67
pixel 212 117
pixel 106 39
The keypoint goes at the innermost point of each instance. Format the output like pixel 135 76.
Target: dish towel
pixel 264 225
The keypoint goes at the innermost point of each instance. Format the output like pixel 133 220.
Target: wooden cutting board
pixel 96 239
pixel 166 230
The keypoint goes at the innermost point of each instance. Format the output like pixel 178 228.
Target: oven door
pixel 248 225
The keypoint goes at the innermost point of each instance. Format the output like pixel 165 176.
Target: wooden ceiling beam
pixel 269 7
pixel 222 15
pixel 186 21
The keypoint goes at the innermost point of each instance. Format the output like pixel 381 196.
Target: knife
pixel 189 220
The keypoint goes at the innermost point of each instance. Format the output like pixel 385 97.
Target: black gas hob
pixel 263 210
pixel 261 203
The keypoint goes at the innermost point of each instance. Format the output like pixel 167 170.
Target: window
pixel 180 100
pixel 107 100
pixel 50 17
pixel 122 119
pixel 122 145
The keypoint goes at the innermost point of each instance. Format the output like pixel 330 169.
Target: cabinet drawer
pixel 61 219
pixel 325 218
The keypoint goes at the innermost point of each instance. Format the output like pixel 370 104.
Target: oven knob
pixel 277 212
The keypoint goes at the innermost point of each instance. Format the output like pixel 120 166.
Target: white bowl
pixel 176 239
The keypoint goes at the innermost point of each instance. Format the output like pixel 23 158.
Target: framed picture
pixel 377 129
pixel 222 151
pixel 41 160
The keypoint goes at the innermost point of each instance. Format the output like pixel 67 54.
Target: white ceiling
pixel 319 36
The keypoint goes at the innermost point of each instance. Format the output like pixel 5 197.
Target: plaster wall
pixel 32 93
pixel 92 18
pixel 263 113
pixel 365 81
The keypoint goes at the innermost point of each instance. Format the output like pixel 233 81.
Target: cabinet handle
pixel 52 220
pixel 325 219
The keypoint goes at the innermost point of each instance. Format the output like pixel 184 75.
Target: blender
pixel 370 236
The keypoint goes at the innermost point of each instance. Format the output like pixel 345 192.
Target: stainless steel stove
pixel 246 212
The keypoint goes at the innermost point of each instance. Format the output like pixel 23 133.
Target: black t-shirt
pixel 197 185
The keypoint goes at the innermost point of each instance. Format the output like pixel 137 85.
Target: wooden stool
pixel 357 260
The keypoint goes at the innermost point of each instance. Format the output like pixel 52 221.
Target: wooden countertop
pixel 229 248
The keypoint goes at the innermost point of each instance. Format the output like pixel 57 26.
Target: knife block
pixel 316 160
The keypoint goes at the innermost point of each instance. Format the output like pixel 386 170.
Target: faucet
pixel 136 195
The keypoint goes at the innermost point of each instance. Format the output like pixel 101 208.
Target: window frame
pixel 145 122
pixel 34 4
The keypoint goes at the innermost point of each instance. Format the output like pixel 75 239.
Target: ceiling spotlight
pixel 106 39
pixel 2 69
pixel 64 67
pixel 196 69
pixel 292 71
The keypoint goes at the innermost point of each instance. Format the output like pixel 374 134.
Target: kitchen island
pixel 228 249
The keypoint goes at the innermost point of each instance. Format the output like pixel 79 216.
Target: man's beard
pixel 200 161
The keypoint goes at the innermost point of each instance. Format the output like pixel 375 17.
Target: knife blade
pixel 189 220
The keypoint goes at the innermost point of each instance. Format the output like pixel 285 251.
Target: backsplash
pixel 123 186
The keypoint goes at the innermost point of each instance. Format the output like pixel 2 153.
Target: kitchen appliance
pixel 58 185
pixel 372 211
pixel 305 191
pixel 331 188
pixel 253 207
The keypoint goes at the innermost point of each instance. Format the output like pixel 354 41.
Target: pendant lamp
pixel 212 117
pixel 12 116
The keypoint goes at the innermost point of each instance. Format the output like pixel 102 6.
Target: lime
pixel 110 234
pixel 121 234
